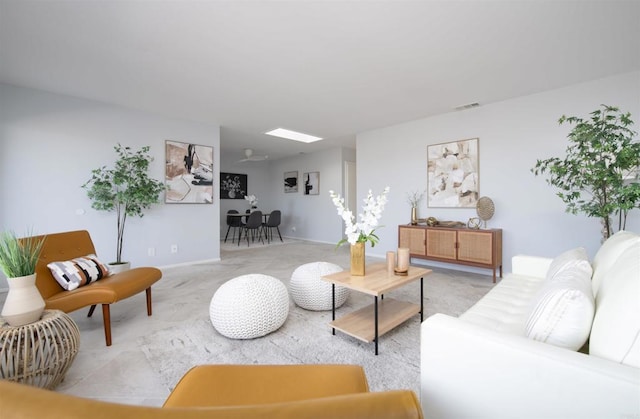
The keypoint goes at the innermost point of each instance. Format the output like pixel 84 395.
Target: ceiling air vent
pixel 467 106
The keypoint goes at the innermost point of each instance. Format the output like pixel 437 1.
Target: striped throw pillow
pixel 77 272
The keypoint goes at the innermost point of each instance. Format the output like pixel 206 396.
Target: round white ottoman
pixel 310 292
pixel 249 306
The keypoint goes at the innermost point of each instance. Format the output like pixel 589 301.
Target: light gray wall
pixel 49 145
pixel 311 217
pixel 513 134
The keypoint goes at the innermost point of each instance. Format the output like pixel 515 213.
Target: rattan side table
pixel 39 353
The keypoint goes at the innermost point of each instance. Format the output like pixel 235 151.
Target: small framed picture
pixel 291 182
pixel 311 183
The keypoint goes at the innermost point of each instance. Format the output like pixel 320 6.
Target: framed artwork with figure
pixel 452 174
pixel 188 173
pixel 291 182
pixel 311 182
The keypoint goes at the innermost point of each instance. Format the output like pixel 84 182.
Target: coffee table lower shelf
pixel 361 323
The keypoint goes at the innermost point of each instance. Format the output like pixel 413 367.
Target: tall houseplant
pixel 599 175
pixel 126 188
pixel 18 259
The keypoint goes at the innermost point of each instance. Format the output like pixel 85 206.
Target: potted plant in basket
pixel 126 189
pixel 599 175
pixel 18 259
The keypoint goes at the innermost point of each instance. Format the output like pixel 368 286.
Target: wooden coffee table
pixel 374 320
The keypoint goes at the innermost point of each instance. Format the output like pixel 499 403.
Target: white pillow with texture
pixel 571 259
pixel 562 312
pixel 608 254
pixel 615 334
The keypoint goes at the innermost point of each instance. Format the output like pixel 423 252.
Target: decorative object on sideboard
pixel 474 223
pixel 362 231
pixel 599 174
pixel 452 174
pixel 188 173
pixel 414 199
pixel 485 209
pixel 18 259
pixel 432 221
pixel 126 189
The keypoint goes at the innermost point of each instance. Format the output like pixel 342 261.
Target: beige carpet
pixel 305 337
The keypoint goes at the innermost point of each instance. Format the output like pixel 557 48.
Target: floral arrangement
pixel 253 201
pixel 414 198
pixel 364 230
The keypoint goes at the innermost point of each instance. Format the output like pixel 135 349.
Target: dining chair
pixel 254 223
pixel 273 222
pixel 233 222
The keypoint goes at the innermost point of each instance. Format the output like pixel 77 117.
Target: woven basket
pixel 39 353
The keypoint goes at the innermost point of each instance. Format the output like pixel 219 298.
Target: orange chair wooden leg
pixel 106 317
pixel 93 307
pixel 148 290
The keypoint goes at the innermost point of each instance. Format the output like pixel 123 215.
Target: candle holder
pixel 403 261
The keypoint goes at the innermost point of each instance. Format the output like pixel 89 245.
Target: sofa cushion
pixel 571 259
pixel 608 253
pixel 562 311
pixel 615 334
pixel 506 307
pixel 77 272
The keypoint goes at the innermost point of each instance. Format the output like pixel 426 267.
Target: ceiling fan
pixel 248 152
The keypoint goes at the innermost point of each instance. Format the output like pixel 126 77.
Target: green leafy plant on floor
pixel 599 175
pixel 126 188
pixel 18 257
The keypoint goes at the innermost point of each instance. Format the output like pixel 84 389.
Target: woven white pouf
pixel 249 306
pixel 310 292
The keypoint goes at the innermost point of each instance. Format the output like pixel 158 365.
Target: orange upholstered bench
pixel 73 244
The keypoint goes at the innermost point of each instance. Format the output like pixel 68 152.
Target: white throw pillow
pixel 607 255
pixel 562 312
pixel 616 328
pixel 571 259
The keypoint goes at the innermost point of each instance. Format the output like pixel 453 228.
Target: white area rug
pixel 306 336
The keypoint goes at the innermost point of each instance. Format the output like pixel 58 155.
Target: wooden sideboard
pixel 463 246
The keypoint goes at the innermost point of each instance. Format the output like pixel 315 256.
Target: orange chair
pixel 106 291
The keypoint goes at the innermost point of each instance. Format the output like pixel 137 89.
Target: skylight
pixel 293 135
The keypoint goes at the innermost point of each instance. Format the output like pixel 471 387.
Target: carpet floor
pixel 150 354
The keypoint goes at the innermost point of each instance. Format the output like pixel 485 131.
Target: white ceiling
pixel 326 68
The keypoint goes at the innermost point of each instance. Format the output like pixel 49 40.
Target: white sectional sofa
pixel 512 355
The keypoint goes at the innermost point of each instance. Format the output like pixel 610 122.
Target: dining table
pixel 265 218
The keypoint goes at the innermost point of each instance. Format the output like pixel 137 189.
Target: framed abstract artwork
pixel 311 183
pixel 233 185
pixel 188 173
pixel 452 174
pixel 290 182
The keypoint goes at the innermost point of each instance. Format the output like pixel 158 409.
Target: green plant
pixel 18 257
pixel 126 189
pixel 599 175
